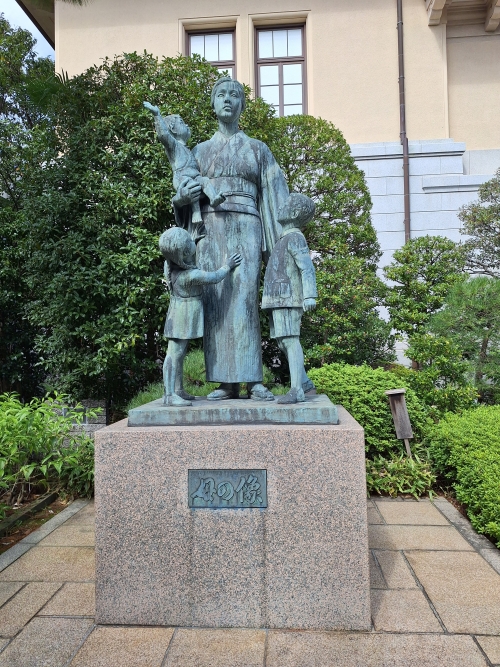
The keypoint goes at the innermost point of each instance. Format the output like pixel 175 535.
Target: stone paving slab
pixel 413 513
pixel 8 589
pixel 402 611
pixel 463 588
pixel 463 525
pixel 217 648
pixel 56 521
pixel 20 609
pixel 376 577
pixel 124 647
pixel 430 538
pixel 395 569
pixel 72 600
pixel 47 642
pixel 53 564
pixel 491 646
pixel 374 515
pixel 303 649
pixel 75 535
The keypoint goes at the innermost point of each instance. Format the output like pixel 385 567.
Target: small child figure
pixel 185 313
pixel 173 133
pixel 290 290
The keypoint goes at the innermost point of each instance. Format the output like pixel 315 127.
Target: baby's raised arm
pixel 162 131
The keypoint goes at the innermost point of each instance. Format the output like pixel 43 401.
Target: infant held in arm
pixel 173 133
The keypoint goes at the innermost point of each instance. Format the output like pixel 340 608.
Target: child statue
pixel 173 133
pixel 290 290
pixel 185 313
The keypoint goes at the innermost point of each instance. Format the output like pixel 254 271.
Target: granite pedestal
pixel 298 558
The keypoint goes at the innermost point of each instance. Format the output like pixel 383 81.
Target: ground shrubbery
pixel 465 450
pixel 360 389
pixel 41 447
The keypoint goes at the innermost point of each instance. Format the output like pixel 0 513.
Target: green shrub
pixel 399 475
pixel 466 451
pixel 441 381
pixel 360 389
pixel 41 446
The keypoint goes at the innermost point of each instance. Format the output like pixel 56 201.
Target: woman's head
pixel 177 247
pixel 228 98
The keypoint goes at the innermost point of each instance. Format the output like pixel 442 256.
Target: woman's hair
pixel 172 244
pixel 237 85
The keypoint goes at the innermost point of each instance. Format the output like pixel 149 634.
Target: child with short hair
pixel 290 290
pixel 173 133
pixel 185 313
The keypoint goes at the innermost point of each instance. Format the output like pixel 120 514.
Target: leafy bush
pixel 360 389
pixel 441 381
pixel 399 475
pixel 41 446
pixel 466 451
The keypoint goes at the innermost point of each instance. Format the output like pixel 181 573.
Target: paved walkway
pixel 435 603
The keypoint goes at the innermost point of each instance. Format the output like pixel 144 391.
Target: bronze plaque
pixel 227 489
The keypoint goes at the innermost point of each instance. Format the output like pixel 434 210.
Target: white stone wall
pixel 443 177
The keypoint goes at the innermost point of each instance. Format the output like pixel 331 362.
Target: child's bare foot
pixel 175 400
pixel 216 201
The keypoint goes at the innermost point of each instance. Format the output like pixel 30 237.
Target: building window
pixel 216 47
pixel 281 69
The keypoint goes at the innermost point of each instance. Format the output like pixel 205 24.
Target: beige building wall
pixel 474 86
pixel 352 63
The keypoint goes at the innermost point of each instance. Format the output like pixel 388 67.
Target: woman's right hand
pixel 188 193
pixel 234 260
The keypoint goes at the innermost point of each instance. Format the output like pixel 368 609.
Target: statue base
pixel 251 526
pixel 317 409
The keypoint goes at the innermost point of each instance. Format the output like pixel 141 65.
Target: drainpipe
pixel 402 122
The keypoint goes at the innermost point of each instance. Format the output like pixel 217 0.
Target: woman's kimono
pixel 245 171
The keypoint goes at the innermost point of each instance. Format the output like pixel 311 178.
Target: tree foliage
pixel 422 273
pixel 481 220
pixel 19 158
pixel 471 318
pixel 345 326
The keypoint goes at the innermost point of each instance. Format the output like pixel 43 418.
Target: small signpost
pixel 401 417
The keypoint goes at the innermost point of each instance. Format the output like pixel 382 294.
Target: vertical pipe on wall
pixel 402 122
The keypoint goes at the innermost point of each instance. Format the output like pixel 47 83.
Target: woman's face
pixel 227 103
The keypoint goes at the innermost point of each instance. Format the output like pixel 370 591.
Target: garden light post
pixel 401 417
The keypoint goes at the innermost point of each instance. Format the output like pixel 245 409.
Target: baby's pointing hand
pixel 234 260
pixel 154 110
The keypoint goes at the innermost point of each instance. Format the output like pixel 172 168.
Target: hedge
pixel 466 451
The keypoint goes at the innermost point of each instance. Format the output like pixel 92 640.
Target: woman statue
pixel 245 172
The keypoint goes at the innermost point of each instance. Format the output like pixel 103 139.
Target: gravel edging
pixel 24 545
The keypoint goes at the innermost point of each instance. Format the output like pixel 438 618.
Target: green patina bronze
pixel 233 201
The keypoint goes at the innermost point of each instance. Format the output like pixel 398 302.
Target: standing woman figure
pixel 254 187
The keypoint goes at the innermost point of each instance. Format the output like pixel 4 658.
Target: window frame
pixel 219 64
pixel 280 61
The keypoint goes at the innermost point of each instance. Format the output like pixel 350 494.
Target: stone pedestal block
pixel 293 557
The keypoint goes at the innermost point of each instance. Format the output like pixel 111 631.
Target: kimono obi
pixel 240 194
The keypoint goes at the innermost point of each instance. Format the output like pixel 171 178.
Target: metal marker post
pixel 401 417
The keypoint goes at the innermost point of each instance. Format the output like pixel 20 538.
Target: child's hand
pixel 154 110
pixel 309 304
pixel 234 260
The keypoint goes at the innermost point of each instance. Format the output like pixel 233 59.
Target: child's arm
pixel 198 277
pixel 162 132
